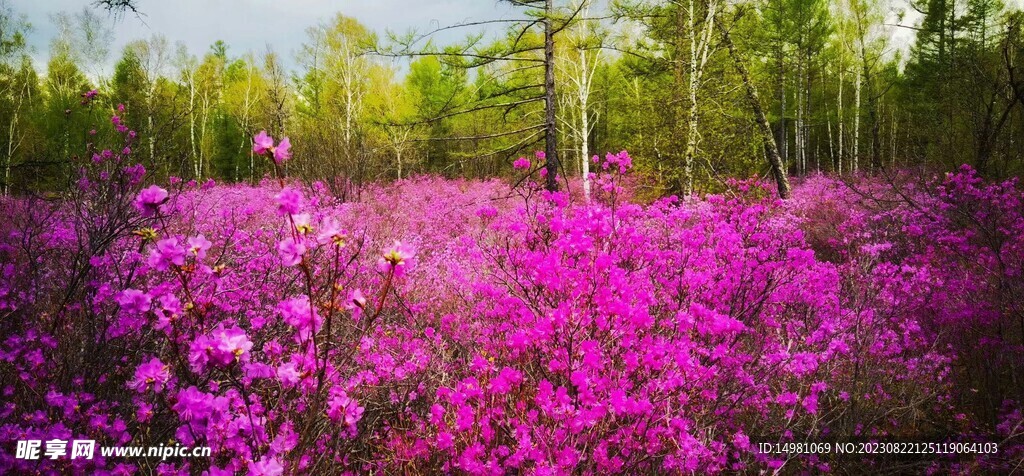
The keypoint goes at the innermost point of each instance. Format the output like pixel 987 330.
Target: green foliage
pixel 838 93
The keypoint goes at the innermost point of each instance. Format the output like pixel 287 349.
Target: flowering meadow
pixel 433 326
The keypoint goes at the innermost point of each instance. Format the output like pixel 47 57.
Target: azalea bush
pixel 483 327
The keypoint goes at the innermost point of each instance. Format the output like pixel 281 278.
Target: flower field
pixel 453 326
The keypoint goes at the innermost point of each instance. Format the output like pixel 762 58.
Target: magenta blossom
pixel 521 163
pixel 152 375
pixel 399 259
pixel 134 301
pixel 198 245
pixel 149 200
pixel 343 409
pixel 291 251
pixel 166 253
pixel 331 232
pixel 298 313
pixel 356 303
pixel 302 223
pixel 192 405
pixel 266 466
pixel 229 345
pixel 283 151
pixel 220 348
pixel 289 201
pixel 262 142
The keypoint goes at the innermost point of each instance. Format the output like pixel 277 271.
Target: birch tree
pixel 584 55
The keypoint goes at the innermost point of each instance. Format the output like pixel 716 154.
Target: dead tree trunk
pixel 778 167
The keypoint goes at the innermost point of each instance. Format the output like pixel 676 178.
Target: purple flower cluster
pixel 291 333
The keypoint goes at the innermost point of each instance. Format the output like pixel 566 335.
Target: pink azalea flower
pixel 198 245
pixel 283 152
pixel 289 201
pixel 151 375
pixel 134 301
pixel 144 412
pixel 521 163
pixel 166 253
pixel 298 313
pixel 221 348
pixel 199 353
pixel 291 252
pixel 399 259
pixel 302 223
pixel 343 409
pixel 231 345
pixel 170 306
pixel 356 303
pixel 288 374
pixel 266 466
pixel 149 200
pixel 262 142
pixel 331 232
pixel 193 405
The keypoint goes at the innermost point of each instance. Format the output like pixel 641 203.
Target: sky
pixel 250 25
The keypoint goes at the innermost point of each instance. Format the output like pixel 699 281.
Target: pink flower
pixel 521 163
pixel 199 353
pixel 487 211
pixel 356 303
pixel 193 405
pixel 288 374
pixel 221 348
pixel 289 201
pixel 787 398
pixel 291 252
pixel 399 259
pixel 343 409
pixel 144 413
pixel 166 253
pixel 302 223
pixel 198 245
pixel 266 466
pixel 134 301
pixel 283 152
pixel 151 375
pixel 230 345
pixel 149 200
pixel 298 313
pixel 331 232
pixel 262 142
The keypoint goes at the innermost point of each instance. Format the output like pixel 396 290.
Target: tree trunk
pixel 192 118
pixel 798 129
pixel 398 155
pixel 783 140
pixel 585 127
pixel 691 135
pixel 856 124
pixel 839 156
pixel 876 138
pixel 778 167
pixel 10 152
pixel 550 126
